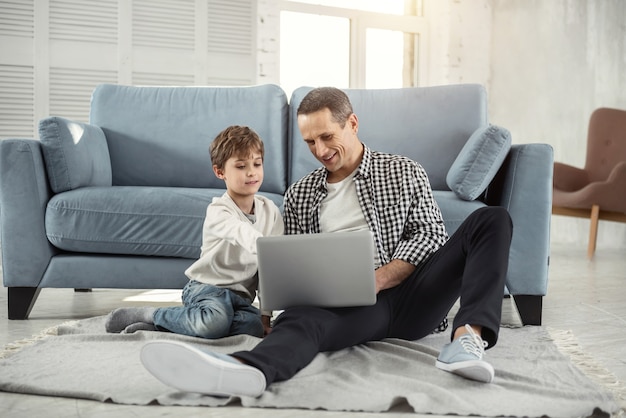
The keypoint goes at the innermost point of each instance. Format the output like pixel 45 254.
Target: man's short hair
pixel 239 141
pixel 330 98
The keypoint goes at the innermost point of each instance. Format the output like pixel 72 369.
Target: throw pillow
pixel 76 154
pixel 478 162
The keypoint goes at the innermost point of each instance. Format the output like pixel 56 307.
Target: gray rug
pixel 533 376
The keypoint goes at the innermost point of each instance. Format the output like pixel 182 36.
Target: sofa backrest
pixel 160 136
pixel 427 124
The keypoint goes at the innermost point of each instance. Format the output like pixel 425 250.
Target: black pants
pixel 472 265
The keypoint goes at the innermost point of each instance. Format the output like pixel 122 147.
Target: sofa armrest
pixel 24 194
pixel 524 186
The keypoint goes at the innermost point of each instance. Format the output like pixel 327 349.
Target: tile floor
pixel 586 297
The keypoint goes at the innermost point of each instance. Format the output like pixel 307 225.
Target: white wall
pixel 460 41
pixel 268 42
pixel 546 65
pixel 553 63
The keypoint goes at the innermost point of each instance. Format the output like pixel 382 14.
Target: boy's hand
pixel 267 324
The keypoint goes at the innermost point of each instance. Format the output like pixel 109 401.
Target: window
pixel 310 55
pixel 390 58
pixel 351 43
pixel 397 7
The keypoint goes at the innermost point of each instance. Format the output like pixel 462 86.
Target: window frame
pixel 360 21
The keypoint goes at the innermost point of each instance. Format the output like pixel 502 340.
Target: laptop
pixel 325 270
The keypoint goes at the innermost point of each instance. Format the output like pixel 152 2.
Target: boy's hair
pixel 239 141
pixel 330 98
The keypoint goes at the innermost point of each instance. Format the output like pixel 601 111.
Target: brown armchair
pixel 599 190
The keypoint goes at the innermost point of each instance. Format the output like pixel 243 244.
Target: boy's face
pixel 243 175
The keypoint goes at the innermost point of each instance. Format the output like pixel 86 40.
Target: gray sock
pixel 120 318
pixel 139 326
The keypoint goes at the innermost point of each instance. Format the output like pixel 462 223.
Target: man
pixel 420 272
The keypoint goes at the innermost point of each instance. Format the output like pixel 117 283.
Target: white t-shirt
pixel 341 211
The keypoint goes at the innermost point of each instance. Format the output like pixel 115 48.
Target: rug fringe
pixel 16 346
pixel 567 343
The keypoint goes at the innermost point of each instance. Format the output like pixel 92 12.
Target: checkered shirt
pixel 397 201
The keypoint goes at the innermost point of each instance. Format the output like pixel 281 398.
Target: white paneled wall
pixel 17 100
pixel 17 29
pixel 54 52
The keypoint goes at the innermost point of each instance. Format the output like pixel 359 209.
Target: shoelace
pixel 472 343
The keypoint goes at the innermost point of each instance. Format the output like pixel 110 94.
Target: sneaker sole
pixel 477 370
pixel 190 370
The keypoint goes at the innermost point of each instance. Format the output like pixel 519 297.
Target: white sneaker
pixel 190 369
pixel 464 357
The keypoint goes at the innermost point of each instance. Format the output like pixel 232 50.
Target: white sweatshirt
pixel 228 257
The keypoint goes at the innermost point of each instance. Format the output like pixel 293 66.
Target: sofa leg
pixel 21 301
pixel 529 308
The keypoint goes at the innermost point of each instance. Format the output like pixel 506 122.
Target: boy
pixel 217 300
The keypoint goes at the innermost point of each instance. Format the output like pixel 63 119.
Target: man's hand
pixel 267 324
pixel 392 274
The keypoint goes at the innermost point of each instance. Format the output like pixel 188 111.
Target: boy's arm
pixel 223 224
pixel 279 224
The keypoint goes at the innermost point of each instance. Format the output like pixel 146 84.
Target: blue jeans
pixel 210 312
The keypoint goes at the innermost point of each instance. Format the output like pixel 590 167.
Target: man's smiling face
pixel 337 148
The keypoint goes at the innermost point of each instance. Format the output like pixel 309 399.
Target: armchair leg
pixel 593 230
pixel 21 301
pixel 529 308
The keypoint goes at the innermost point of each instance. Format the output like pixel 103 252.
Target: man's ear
pixel 354 123
pixel 219 173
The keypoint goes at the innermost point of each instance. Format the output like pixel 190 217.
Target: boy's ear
pixel 218 172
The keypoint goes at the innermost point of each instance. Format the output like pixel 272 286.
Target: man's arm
pixel 289 216
pixel 392 274
pixel 423 228
pixel 419 224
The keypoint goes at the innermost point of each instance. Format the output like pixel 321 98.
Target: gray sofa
pixel 120 202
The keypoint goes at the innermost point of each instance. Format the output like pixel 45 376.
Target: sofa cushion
pixel 76 154
pixel 454 209
pixel 478 162
pixel 160 136
pixel 129 220
pixel 154 221
pixel 429 125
